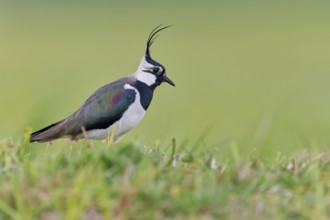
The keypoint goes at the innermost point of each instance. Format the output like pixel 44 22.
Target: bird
pixel 115 108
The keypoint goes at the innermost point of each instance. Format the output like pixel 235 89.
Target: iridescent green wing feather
pixel 101 110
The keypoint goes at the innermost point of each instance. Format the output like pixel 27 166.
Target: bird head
pixel 150 71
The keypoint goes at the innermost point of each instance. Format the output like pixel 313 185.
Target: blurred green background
pixel 252 73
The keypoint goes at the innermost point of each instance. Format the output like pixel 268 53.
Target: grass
pixel 166 181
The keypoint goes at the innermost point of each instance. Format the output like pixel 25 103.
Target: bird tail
pixel 48 133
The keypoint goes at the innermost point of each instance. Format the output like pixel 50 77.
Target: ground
pixel 94 180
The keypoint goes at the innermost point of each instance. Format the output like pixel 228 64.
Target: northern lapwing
pixel 115 108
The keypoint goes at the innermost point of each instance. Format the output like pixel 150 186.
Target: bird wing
pixel 101 110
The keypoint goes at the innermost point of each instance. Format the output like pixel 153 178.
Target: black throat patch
pixel 146 93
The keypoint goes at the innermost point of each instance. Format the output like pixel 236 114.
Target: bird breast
pixel 132 116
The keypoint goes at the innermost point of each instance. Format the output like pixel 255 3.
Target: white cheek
pixel 147 78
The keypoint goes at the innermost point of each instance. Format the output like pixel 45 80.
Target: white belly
pixel 130 119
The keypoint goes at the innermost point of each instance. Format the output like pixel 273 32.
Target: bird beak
pixel 166 79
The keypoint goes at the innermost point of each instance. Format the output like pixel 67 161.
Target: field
pixel 243 135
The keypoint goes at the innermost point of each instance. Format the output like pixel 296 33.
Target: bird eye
pixel 155 70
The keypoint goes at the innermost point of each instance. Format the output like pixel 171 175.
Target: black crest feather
pixel 153 35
